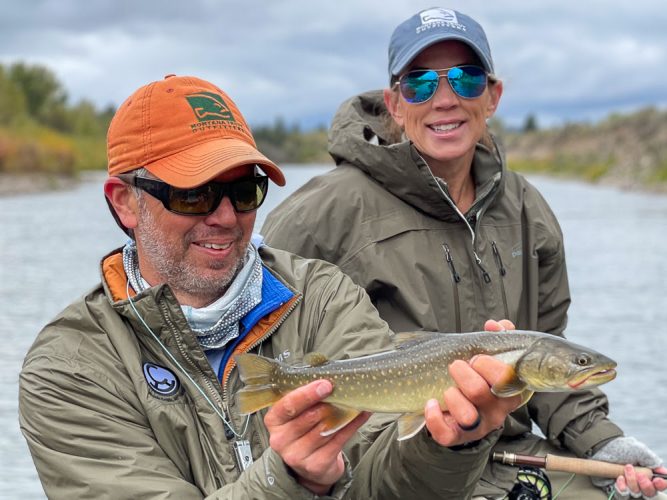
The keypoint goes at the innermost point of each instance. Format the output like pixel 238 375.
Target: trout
pixel 402 380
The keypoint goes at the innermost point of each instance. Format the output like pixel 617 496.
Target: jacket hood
pixel 359 135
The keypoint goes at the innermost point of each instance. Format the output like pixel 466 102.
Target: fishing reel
pixel 531 484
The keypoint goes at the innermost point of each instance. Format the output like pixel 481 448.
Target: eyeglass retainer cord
pixel 184 372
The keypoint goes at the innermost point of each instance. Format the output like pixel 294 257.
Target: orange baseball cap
pixel 185 131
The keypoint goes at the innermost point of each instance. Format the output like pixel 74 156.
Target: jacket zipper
pixel 184 352
pixel 502 272
pixel 485 275
pixel 268 333
pixel 456 278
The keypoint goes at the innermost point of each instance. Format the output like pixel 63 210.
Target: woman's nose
pixel 444 96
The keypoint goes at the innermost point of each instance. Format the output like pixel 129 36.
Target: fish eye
pixel 583 359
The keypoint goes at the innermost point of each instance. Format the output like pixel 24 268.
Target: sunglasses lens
pixel 467 81
pixel 418 86
pixel 192 201
pixel 245 195
pixel 248 195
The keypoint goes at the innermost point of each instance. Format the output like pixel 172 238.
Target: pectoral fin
pixel 511 386
pixel 525 397
pixel 338 417
pixel 410 424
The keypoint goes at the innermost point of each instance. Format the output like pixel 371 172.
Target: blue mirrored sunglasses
pixel 467 81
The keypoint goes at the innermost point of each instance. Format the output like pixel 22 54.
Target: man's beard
pixel 177 272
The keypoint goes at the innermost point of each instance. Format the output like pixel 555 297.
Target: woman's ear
pixel 495 92
pixel 122 200
pixel 393 104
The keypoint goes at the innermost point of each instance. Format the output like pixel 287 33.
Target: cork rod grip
pixel 590 467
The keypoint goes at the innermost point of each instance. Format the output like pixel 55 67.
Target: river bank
pixel 19 184
pixel 11 184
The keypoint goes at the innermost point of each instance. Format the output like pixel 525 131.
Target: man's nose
pixel 224 215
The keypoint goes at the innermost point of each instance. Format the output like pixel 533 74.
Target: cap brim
pixel 206 161
pixel 406 58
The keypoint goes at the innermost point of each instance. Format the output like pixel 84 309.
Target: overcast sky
pixel 561 60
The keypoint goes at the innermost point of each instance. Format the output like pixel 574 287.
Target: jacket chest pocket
pixel 406 271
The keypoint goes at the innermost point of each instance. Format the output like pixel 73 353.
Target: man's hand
pixel 294 425
pixel 473 411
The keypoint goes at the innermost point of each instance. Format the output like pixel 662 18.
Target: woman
pixel 422 212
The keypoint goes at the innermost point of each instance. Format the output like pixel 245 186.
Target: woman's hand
pixel 473 411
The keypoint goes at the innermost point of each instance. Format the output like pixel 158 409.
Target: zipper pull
pixel 499 260
pixel 450 263
pixel 485 275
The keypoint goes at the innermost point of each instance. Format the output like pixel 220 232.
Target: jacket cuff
pixel 464 455
pixel 280 477
pixel 590 440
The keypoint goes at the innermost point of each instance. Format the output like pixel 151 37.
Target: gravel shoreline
pixel 15 184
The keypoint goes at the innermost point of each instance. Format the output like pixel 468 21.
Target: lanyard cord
pixel 184 372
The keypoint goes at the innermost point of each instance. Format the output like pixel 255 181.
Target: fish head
pixel 553 364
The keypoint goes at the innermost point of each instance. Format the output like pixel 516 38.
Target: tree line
pixel 40 130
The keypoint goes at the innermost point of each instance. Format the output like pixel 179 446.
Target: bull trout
pixel 402 380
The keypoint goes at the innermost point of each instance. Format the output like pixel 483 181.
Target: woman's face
pixel 445 128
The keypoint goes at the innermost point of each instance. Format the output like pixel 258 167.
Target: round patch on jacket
pixel 161 380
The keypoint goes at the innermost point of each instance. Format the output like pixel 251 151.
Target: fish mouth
pixel 592 379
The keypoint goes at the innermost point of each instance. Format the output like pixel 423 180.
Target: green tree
pixel 530 125
pixel 84 119
pixel 12 99
pixel 45 97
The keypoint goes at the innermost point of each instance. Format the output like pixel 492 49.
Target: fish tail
pixel 260 391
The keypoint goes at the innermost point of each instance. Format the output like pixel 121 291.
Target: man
pixel 128 393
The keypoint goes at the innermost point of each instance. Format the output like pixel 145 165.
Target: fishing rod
pixel 575 465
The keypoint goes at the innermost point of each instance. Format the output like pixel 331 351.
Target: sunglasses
pixel 246 194
pixel 468 82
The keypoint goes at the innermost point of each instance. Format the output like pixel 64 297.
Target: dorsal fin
pixel 315 359
pixel 407 339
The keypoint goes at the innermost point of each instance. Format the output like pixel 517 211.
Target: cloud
pixel 560 60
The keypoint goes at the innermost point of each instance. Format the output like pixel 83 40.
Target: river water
pixel 50 245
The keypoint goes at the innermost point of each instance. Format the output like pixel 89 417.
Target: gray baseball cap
pixel 432 26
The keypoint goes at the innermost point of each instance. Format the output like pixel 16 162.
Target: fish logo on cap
pixel 438 17
pixel 208 106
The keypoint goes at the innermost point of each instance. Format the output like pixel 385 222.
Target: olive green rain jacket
pixel 107 414
pixel 391 226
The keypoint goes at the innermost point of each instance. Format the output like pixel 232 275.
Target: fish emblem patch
pixel 161 380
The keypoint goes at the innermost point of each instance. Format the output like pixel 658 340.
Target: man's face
pixel 198 256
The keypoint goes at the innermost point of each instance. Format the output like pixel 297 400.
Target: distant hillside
pixel 628 151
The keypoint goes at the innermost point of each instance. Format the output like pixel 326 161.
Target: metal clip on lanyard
pixel 243 453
